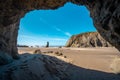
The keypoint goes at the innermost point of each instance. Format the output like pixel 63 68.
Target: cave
pixel 105 15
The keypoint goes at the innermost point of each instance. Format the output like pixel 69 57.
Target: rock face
pixel 36 67
pixel 105 15
pixel 90 39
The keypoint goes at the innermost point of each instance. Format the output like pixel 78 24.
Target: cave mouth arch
pixel 105 15
pixel 56 26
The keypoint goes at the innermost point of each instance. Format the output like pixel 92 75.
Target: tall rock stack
pixel 90 39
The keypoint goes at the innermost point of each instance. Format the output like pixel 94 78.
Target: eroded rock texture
pixel 36 67
pixel 106 17
pixel 105 14
pixel 90 39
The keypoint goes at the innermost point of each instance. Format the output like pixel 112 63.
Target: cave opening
pixel 55 26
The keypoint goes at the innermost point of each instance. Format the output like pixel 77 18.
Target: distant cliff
pixel 90 39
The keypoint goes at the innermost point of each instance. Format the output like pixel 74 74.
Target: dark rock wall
pixel 106 17
pixel 90 39
pixel 8 42
pixel 105 14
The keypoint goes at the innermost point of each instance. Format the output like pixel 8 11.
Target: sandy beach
pixel 63 64
pixel 89 58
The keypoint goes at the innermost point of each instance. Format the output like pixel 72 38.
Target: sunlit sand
pixel 89 58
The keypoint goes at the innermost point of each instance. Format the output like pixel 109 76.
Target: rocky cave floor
pixel 49 67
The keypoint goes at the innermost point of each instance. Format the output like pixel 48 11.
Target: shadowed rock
pixel 58 53
pixel 5 58
pixel 35 67
pixel 38 51
pixel 44 67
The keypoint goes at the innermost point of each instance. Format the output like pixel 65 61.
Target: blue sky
pixel 56 26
